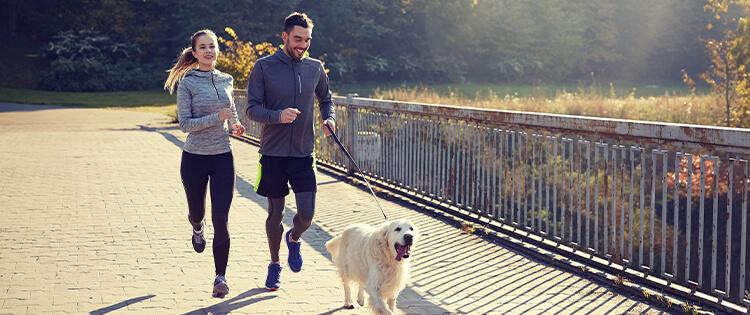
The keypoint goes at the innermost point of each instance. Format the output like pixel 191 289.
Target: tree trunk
pixel 727 83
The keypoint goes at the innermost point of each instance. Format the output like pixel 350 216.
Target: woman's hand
pixel 238 129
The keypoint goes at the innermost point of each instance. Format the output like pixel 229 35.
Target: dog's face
pixel 401 236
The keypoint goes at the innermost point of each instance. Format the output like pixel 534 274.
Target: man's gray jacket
pixel 278 82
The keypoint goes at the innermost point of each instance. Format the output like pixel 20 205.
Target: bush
pixel 89 61
pixel 238 57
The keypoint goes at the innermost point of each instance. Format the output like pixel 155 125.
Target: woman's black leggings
pixel 196 170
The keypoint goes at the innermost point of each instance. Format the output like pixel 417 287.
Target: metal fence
pixel 668 201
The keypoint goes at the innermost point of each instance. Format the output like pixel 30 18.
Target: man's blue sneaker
pixel 273 280
pixel 295 257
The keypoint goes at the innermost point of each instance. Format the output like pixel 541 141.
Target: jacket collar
pixel 285 58
pixel 203 74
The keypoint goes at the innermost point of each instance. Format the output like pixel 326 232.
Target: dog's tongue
pixel 401 250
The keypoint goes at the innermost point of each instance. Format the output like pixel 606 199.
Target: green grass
pixel 149 101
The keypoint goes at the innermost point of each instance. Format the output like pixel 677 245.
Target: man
pixel 281 91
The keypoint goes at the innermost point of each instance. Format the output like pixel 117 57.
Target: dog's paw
pixel 361 301
pixel 349 307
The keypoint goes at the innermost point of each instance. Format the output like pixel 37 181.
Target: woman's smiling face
pixel 206 50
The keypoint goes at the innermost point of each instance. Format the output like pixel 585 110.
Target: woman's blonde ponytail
pixel 185 62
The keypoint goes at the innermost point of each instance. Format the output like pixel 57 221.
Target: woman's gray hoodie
pixel 200 96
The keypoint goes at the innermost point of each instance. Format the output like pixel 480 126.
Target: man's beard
pixel 291 53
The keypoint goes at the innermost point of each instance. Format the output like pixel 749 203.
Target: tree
pixel 238 57
pixel 727 74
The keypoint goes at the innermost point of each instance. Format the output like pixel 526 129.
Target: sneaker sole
pixel 220 291
pixel 272 289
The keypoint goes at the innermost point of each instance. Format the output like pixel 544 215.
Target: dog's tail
pixel 333 245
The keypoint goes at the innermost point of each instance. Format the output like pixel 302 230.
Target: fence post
pixel 351 131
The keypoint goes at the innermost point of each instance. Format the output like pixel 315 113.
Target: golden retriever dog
pixel 376 259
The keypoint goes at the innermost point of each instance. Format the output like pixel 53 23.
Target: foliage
pixel 728 53
pixel 89 61
pixel 238 57
pixel 427 41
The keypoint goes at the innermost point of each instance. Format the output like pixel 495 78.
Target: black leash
pixel 336 139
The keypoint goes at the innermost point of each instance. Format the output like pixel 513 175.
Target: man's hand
pixel 331 123
pixel 238 129
pixel 289 115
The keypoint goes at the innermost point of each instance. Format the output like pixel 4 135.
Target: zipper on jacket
pixel 291 136
pixel 214 83
pixel 299 79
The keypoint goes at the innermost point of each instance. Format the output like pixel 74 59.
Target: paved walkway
pixel 93 221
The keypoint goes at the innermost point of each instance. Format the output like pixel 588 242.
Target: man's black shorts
pixel 275 172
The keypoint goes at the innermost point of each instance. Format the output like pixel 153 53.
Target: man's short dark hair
pixel 297 19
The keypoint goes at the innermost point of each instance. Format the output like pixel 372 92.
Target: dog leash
pixel 336 139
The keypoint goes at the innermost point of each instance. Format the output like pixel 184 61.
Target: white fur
pixel 366 256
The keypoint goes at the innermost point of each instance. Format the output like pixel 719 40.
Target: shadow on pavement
pixel 117 306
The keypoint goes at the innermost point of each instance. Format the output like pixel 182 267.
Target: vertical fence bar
pixel 388 123
pixel 554 189
pixel 459 173
pixel 476 152
pixel 689 211
pixel 642 205
pixel 467 163
pixel 728 241
pixel 547 166
pixel 441 142
pixel 676 221
pixel 565 189
pixel 623 156
pixel 701 209
pixel 743 236
pixel 464 168
pixel 579 191
pixel 489 161
pixel 494 183
pixel 588 194
pixel 540 186
pixel 414 158
pixel 484 186
pixel 418 155
pixel 517 178
pixel 501 174
pixel 605 194
pixel 526 168
pixel 714 226
pixel 596 197
pixel 631 206
pixel 421 148
pixel 614 199
pixel 571 189
pixel 432 170
pixel 399 163
pixel 512 176
pixel 532 169
pixel 653 210
pixel 664 192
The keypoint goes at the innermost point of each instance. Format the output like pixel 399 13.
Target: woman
pixel 204 103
